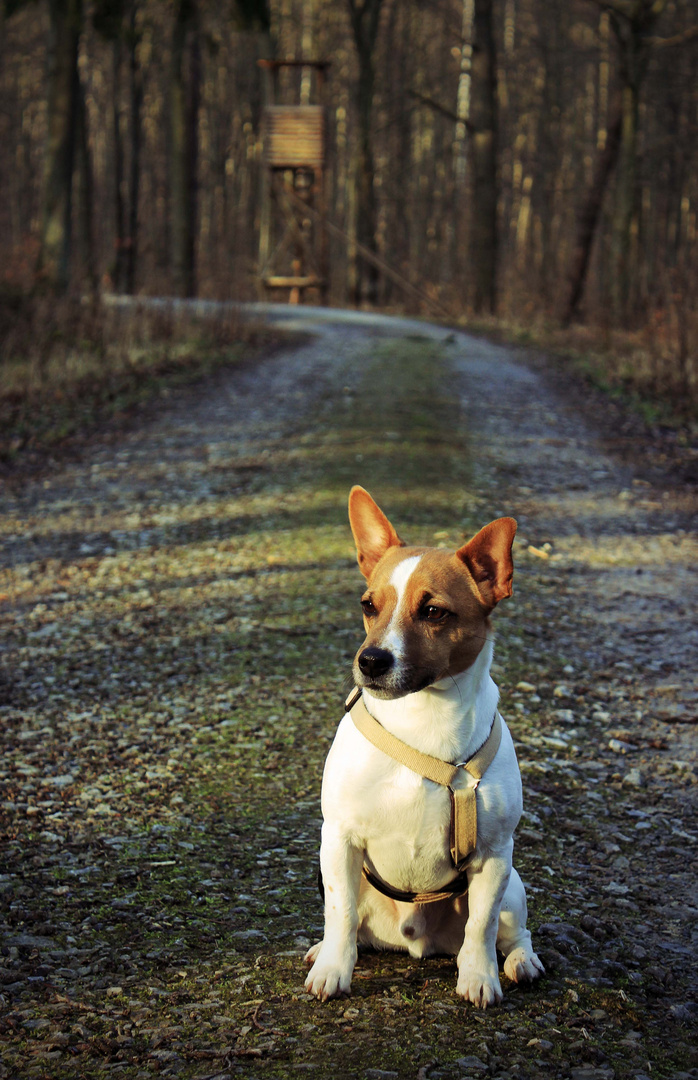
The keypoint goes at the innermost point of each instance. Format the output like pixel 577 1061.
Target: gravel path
pixel 178 614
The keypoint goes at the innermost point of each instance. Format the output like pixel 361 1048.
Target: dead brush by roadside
pixel 652 369
pixel 67 365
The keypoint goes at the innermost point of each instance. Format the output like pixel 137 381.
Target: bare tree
pixel 135 87
pixel 483 155
pixel 117 22
pixel 185 93
pixel 365 16
pixel 463 93
pixel 587 218
pixel 63 113
pixel 632 22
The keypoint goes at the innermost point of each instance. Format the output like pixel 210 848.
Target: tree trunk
pixel 365 176
pixel 184 107
pixel 2 38
pixel 126 210
pixel 364 21
pixel 483 150
pixel 631 29
pixel 463 96
pixel 134 184
pixel 57 204
pixel 587 219
pixel 626 201
pixel 119 212
pixel 85 196
pixel 542 252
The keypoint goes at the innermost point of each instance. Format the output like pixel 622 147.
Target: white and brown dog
pixel 409 862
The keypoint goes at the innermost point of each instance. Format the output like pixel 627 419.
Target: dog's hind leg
pixel 513 939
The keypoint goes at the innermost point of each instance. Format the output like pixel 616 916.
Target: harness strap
pixel 463 839
pixel 457 887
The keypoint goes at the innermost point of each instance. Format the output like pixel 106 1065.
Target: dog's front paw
pixel 480 988
pixel 478 980
pixel 330 975
pixel 522 965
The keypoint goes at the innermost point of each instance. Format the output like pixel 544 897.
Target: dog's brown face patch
pixel 423 610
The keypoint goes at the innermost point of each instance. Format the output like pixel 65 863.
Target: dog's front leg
pixel 478 974
pixel 335 956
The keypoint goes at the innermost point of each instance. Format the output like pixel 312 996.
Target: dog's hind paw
pixel 522 965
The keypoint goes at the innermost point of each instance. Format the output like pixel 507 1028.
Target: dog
pixel 409 862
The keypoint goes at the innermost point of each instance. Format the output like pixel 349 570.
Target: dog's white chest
pixel 401 820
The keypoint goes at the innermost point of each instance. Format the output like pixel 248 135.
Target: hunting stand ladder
pixel 293 232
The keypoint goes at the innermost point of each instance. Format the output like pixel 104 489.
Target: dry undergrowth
pixel 652 371
pixel 71 365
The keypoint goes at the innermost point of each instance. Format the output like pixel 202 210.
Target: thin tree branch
pixel 677 39
pixel 439 108
pixel 633 11
pixel 621 7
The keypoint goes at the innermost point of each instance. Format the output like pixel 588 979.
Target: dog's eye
pixel 368 608
pixel 434 614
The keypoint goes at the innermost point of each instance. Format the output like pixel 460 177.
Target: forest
pixel 529 161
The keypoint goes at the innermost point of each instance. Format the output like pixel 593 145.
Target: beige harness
pixel 463 834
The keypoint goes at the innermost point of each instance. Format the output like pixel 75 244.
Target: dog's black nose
pixel 374 662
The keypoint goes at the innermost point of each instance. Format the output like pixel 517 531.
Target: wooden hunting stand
pixel 293 240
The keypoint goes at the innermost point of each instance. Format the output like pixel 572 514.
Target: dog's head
pixel 426 610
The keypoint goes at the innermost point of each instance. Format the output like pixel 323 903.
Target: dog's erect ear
pixel 372 531
pixel 488 558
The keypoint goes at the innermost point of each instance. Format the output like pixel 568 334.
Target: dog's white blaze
pixel 402 574
pixel 393 639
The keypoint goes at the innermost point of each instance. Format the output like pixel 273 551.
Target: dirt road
pixel 179 612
